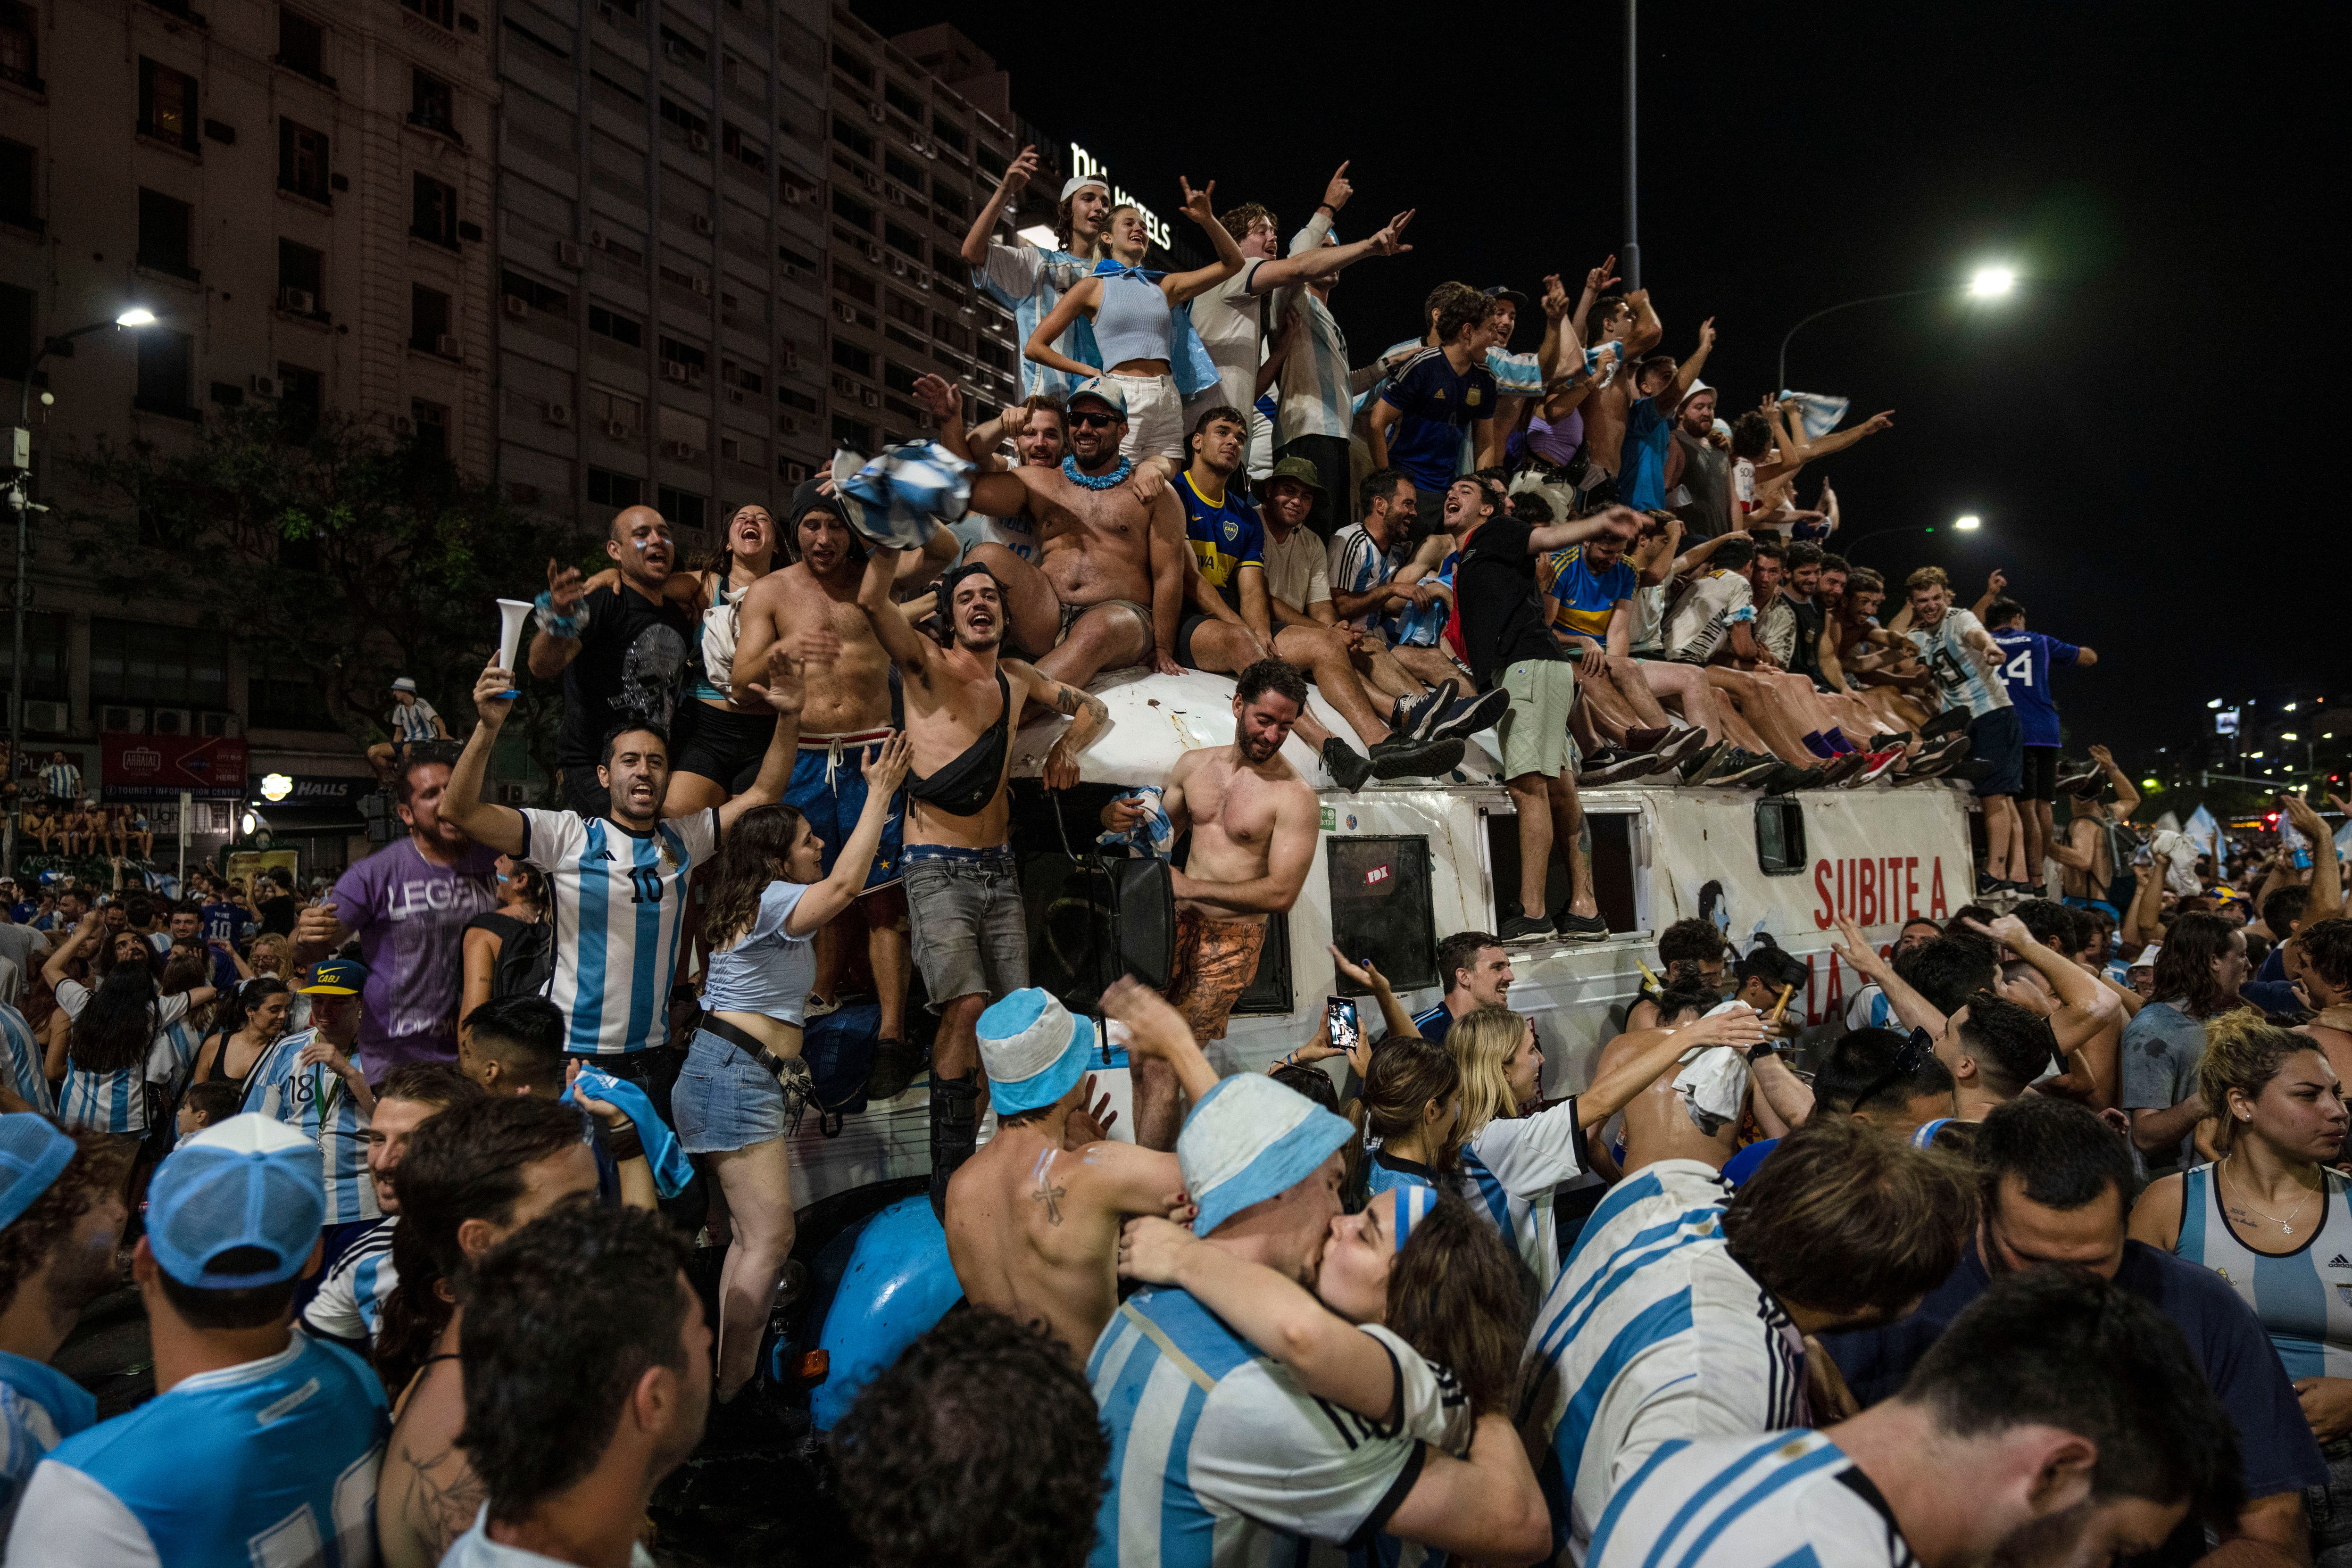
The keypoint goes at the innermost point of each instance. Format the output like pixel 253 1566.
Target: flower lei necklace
pixel 1117 476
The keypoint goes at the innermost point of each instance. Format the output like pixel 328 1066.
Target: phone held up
pixel 1339 1012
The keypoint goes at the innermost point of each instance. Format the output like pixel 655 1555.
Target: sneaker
pixel 1526 928
pixel 1739 767
pixel 1700 767
pixel 1615 768
pixel 1969 769
pixel 1417 717
pixel 1648 738
pixel 1838 769
pixel 1581 928
pixel 1876 765
pixel 1471 714
pixel 1884 739
pixel 896 1062
pixel 1987 885
pixel 1951 721
pixel 1790 777
pixel 1346 764
pixel 1398 758
pixel 1685 744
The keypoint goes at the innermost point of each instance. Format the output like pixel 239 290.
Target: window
pixel 801 401
pixel 898 378
pixel 430 104
pixel 168 666
pixel 19 46
pixel 16 306
pixel 686 354
pixel 1612 834
pixel 301 393
pixel 905 102
pixel 902 240
pixel 904 171
pixel 683 508
pixel 434 211
pixel 677 47
pixel 851 137
pixel 536 295
pixel 302 159
pixel 901 309
pixel 166 228
pixel 432 421
pixel 610 323
pixel 1379 908
pixel 45 633
pixel 850 357
pixel 442 12
pixel 857 213
pixel 606 489
pixel 852 65
pixel 735 375
pixel 606 409
pixel 302 44
pixel 1779 836
pixel 949 200
pixel 853 433
pixel 743 149
pixel 990 162
pixel 676 113
pixel 167 104
pixel 428 320
pixel 301 274
pixel 280 694
pixel 855 284
pixel 17 176
pixel 947 131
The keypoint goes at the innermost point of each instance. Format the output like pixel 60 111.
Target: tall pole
pixel 17 497
pixel 1630 264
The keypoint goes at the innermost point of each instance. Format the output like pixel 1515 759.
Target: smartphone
pixel 1339 1012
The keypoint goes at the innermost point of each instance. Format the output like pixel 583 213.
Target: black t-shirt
pixel 276 917
pixel 1805 658
pixel 636 660
pixel 1502 609
pixel 1706 475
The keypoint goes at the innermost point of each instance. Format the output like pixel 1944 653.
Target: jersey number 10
pixel 645 884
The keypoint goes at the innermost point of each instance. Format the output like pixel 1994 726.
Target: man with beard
pixel 1254 826
pixel 61 1214
pixel 969 931
pixel 408 905
pixel 623 651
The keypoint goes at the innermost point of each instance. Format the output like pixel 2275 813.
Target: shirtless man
pixel 963 897
pixel 1033 1219
pixel 848 707
pixel 2090 865
pixel 1627 321
pixel 1254 825
pixel 1109 582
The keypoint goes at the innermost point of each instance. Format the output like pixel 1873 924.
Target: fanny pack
pixel 791 1073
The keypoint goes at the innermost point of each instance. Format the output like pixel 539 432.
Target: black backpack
pixel 526 955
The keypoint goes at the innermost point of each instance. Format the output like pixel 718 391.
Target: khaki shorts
pixel 1534 728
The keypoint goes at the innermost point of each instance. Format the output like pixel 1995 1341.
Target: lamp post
pixel 1967 524
pixel 19 496
pixel 1986 282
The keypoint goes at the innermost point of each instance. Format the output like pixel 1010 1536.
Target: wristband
pixel 1762 1048
pixel 1327 207
pixel 624 1145
pixel 555 625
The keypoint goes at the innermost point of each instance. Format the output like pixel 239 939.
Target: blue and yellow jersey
pixel 1588 600
pixel 1226 535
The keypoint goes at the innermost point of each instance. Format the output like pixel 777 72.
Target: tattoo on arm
pixel 1069 700
pixel 444 1496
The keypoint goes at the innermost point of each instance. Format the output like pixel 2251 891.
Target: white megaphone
pixel 512 613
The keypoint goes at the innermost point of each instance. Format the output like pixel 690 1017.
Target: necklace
pixel 2285 1227
pixel 1117 476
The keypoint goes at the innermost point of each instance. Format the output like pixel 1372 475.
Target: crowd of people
pixel 410 1179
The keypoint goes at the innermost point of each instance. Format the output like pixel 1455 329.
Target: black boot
pixel 955 1128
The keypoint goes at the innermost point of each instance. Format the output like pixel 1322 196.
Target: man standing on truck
pixel 1254 825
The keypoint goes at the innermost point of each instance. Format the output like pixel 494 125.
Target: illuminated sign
pixel 276 785
pixel 1083 165
pixel 2226 722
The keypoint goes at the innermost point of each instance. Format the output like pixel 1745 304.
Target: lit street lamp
pixel 1967 524
pixel 1988 283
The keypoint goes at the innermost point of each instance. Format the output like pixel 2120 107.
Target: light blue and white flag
pixel 896 499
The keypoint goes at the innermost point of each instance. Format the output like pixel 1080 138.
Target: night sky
pixel 2164 178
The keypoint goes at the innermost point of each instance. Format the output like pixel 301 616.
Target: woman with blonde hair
pixel 1515 1150
pixel 2271 1218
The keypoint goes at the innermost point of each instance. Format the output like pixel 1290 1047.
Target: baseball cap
pixel 1299 469
pixel 1104 391
pixel 2146 959
pixel 405 683
pixel 1034 1050
pixel 1503 291
pixel 1249 1139
pixel 250 1181
pixel 1077 183
pixel 336 977
pixel 34 1152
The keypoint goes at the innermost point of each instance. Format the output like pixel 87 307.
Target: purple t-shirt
pixel 410 915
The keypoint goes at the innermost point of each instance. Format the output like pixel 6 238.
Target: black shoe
pixel 1838 769
pixel 1883 741
pixel 1604 767
pixel 1951 721
pixel 1471 714
pixel 1987 885
pixel 1790 777
pixel 1526 928
pixel 1397 758
pixel 1416 717
pixel 955 1128
pixel 1581 928
pixel 1700 767
pixel 1685 744
pixel 1739 766
pixel 896 1062
pixel 1647 738
pixel 1346 764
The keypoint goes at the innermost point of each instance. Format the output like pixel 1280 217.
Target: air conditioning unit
pixel 168 721
pixel 301 301
pixel 844 386
pixel 843 311
pixel 922 279
pixel 788 423
pixel 795 472
pixel 216 725
pixel 734 394
pixel 705 224
pixel 678 449
pixel 48 718
pixel 515 305
pixel 123 720
pixel 871 399
pixel 918 144
pixel 876 110
pixel 897 197
pixel 702 287
pixel 898 267
pixel 511 793
pixel 871 182
pixel 558 413
pixel 567 253
pixel 789 356
pixel 446 346
pixel 697 140
pixel 673 370
pixel 265 386
pixel 617 429
pixel 873 251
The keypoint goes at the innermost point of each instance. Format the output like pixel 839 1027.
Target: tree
pixel 314 539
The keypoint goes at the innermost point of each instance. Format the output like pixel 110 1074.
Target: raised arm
pixel 503 828
pixel 1646 329
pixel 1909 1006
pixel 1039 349
pixel 885 768
pixel 2084 1007
pixel 1689 371
pixel 1995 581
pixel 1394 1013
pixel 1017 175
pixel 1328 260
pixel 782 691
pixel 84 935
pixel 2327 890
pixel 1157 1031
pixel 1623 520
pixel 1649 1053
pixel 2126 796
pixel 1181 286
pixel 908 649
pixel 1809 450
pixel 549 651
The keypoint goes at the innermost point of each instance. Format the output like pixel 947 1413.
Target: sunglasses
pixel 1094 420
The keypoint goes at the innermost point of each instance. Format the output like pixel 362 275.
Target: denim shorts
pixel 967 924
pixel 724 1101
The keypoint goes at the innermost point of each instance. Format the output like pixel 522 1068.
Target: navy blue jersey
pixel 2026 661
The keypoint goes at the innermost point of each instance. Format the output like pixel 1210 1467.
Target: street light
pixel 1968 524
pixel 131 319
pixel 1987 283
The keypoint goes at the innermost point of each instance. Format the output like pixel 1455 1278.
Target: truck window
pixel 1613 868
pixel 1380 909
pixel 1780 836
pixel 1269 989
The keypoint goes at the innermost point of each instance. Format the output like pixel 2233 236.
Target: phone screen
pixel 1345 1032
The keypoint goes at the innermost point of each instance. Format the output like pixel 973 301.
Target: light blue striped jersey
pixel 1966 678
pixel 1317 399
pixel 1792 1499
pixel 171 1060
pixel 39 1407
pixel 1509 1172
pixel 1871 1010
pixel 1383 1172
pixel 1219 1458
pixel 271 1461
pixel 1650 1333
pixel 620 917
pixel 319 1105
pixel 23 1065
pixel 2304 1297
pixel 350 1302
pixel 113 1102
pixel 1030 282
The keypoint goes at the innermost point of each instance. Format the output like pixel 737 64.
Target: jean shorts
pixel 724 1101
pixel 967 924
